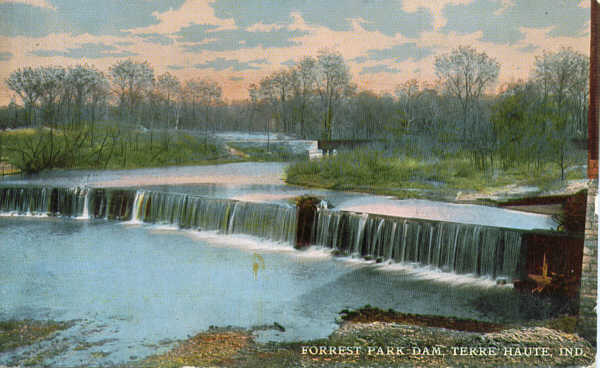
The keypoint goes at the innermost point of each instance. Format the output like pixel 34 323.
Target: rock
pixel 279 327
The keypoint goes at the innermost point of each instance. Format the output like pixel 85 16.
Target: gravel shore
pixel 385 344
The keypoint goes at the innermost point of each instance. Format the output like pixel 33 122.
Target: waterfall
pixel 85 212
pixel 135 212
pixel 265 220
pixel 450 247
pixel 36 201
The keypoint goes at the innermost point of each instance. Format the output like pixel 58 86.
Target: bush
pixel 34 150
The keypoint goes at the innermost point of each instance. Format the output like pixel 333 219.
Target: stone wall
pixel 586 324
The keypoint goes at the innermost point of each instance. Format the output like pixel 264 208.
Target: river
pixel 134 288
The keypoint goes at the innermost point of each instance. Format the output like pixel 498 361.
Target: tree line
pixel 129 92
pixel 527 120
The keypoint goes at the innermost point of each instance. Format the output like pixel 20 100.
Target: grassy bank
pixel 372 171
pixel 103 147
pixel 259 153
pixel 114 146
pixel 15 334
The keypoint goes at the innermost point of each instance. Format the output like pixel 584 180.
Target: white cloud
pixel 261 27
pixel 191 12
pixel 435 7
pixel 506 4
pixel 37 3
pixel 516 61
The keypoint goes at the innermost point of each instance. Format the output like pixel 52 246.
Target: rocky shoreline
pixel 367 337
pixel 384 344
pixel 401 340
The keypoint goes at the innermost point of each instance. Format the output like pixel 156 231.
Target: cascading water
pixel 85 212
pixel 450 247
pixel 269 221
pixel 35 201
pixel 135 213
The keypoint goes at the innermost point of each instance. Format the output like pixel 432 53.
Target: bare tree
pixel 303 78
pixel 465 74
pixel 169 86
pixel 52 84
pixel 254 97
pixel 281 82
pixel 98 96
pixel 333 83
pixel 26 82
pixel 274 91
pixel 205 92
pixel 563 78
pixel 82 82
pixel 268 95
pixel 131 80
pixel 408 93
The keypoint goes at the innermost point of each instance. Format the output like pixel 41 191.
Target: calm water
pixel 134 286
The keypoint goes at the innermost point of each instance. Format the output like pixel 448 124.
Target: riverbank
pixel 18 334
pixel 112 146
pixel 367 337
pixel 364 340
pixel 451 179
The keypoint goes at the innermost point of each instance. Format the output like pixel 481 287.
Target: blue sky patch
pixel 385 16
pixel 379 68
pixel 220 64
pixel 86 50
pixel 5 55
pixel 502 26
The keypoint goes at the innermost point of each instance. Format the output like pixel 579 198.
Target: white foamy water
pixel 18 214
pixel 434 274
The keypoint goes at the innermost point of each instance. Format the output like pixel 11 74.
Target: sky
pixel 238 42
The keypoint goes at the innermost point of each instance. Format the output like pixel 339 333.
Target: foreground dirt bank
pixel 384 344
pixel 411 341
pixel 367 337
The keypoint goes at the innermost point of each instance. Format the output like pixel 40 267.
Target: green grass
pixel 14 334
pixel 276 153
pixel 371 171
pixel 105 147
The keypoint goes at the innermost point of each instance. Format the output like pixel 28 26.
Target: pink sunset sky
pixel 237 42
